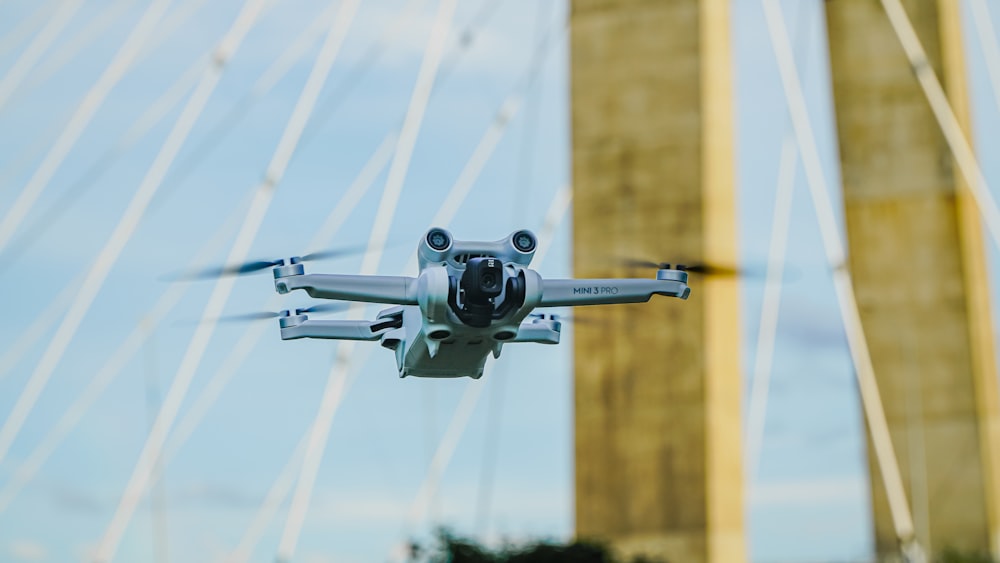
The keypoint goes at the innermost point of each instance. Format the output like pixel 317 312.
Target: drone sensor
pixel 524 241
pixel 438 239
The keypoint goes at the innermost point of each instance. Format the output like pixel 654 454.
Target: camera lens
pixel 489 280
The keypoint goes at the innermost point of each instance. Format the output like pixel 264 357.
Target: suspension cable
pixel 153 114
pixel 467 403
pixel 768 328
pixel 37 329
pixel 113 366
pixel 770 308
pixel 457 192
pixel 81 118
pixel 239 353
pixel 369 266
pixel 129 221
pixel 142 126
pixel 73 46
pixel 322 239
pixel 248 342
pixel 220 293
pixel 988 43
pixel 25 27
pixel 14 76
pixel 960 146
pixel 199 408
pixel 836 257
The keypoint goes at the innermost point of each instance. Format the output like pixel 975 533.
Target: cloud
pixel 27 550
pixel 831 490
pixel 75 500
pixel 219 494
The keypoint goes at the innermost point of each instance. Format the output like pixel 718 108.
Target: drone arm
pixel 570 293
pixel 398 290
pixel 338 330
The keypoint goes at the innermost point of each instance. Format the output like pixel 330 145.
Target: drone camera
pixel 482 279
pixel 482 282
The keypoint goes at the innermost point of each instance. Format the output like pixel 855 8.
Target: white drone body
pixel 469 299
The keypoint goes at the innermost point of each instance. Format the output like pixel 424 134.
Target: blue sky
pixel 809 501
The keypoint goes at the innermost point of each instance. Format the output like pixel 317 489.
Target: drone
pixel 469 299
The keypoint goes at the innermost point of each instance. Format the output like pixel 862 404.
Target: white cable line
pixel 72 48
pixel 248 342
pixel 199 342
pixel 295 51
pixel 484 150
pixel 233 361
pixel 945 116
pixel 171 23
pixel 458 192
pixel 15 74
pixel 96 28
pixel 449 441
pixel 112 367
pixel 24 28
pixel 763 359
pixel 37 329
pixel 337 379
pixel 152 116
pixel 129 221
pixel 833 246
pixel 958 142
pixel 156 111
pixel 474 166
pixel 28 154
pixel 192 417
pixel 988 42
pixel 761 379
pixel 277 494
pixel 81 118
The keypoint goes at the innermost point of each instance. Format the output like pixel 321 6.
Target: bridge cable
pixel 959 144
pixel 467 403
pixel 988 43
pixel 770 308
pixel 82 116
pixel 369 266
pixel 262 198
pixel 14 76
pixel 836 257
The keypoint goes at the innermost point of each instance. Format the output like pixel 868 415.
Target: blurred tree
pixel 952 555
pixel 449 548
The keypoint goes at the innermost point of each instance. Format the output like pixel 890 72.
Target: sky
pixel 808 501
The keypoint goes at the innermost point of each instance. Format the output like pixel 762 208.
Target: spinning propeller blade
pixel 265 315
pixel 702 268
pixel 258 265
pixel 334 253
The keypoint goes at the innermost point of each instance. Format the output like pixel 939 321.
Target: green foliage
pixel 952 555
pixel 449 548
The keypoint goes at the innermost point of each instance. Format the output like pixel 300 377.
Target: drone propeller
pixel 264 315
pixel 702 268
pixel 259 265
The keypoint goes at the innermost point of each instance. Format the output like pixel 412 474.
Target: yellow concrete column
pixel 658 394
pixel 919 268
